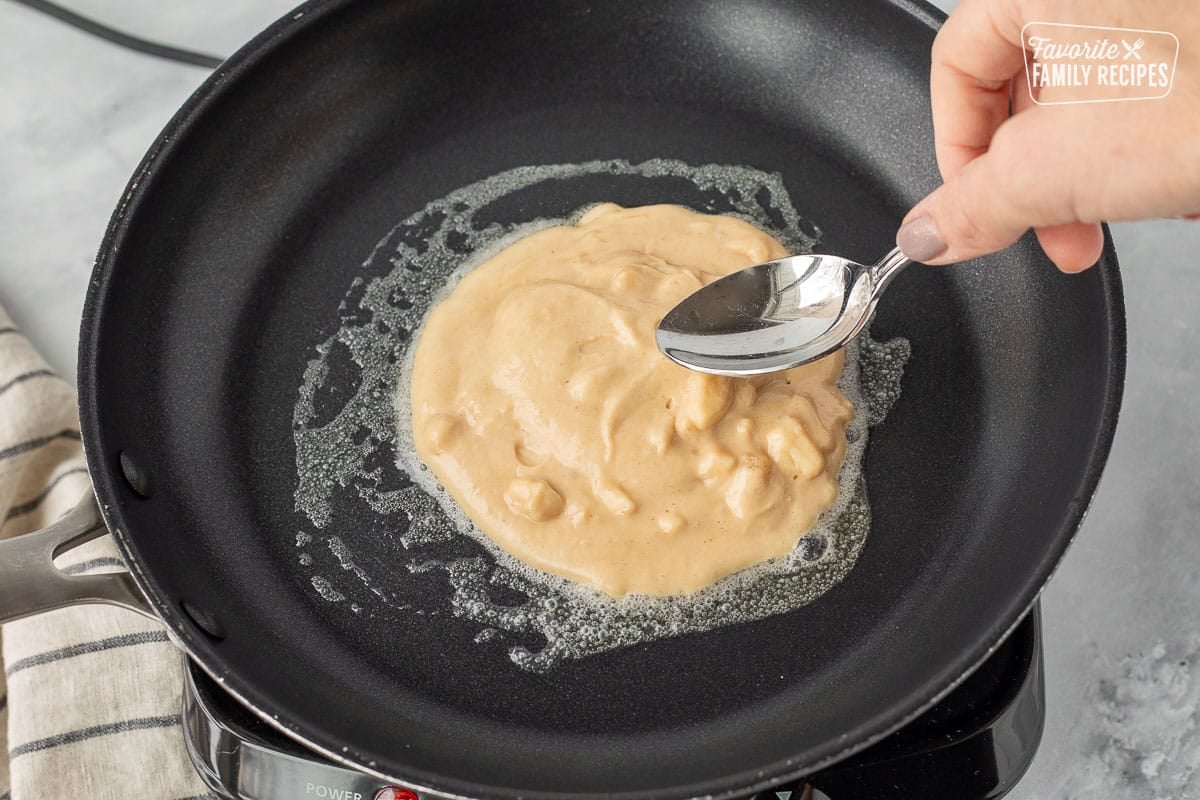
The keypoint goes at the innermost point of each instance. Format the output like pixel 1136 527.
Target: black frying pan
pixel 247 222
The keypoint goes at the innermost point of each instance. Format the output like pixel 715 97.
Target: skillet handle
pixel 31 584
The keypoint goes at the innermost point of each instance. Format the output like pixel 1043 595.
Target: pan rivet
pixel 204 620
pixel 135 476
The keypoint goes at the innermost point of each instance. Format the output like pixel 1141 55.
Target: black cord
pixel 123 39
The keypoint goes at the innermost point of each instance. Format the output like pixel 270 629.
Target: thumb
pixel 1030 176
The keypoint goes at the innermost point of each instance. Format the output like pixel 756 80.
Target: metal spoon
pixel 776 315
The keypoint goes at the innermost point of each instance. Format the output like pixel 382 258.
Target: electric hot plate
pixel 975 744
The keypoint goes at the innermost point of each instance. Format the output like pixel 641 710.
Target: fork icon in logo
pixel 1131 50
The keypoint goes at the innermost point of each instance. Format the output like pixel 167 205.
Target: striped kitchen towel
pixel 93 692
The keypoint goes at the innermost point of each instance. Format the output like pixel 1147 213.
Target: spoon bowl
pixel 777 315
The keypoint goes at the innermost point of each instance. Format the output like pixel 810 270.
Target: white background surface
pixel 1123 634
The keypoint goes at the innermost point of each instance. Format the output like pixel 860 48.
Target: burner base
pixel 973 745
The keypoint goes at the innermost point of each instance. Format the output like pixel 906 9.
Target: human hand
pixel 1060 169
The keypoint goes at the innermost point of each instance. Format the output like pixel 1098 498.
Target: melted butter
pixel 541 402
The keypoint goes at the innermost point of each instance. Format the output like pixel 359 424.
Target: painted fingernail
pixel 919 239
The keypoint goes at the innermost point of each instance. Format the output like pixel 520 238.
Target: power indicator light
pixel 396 793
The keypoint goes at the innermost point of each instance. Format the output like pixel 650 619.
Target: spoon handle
pixel 888 267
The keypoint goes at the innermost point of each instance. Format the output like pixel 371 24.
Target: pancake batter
pixel 541 402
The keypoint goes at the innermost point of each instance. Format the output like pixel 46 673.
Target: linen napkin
pixel 93 692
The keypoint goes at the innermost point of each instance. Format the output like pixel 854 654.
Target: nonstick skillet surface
pixel 246 225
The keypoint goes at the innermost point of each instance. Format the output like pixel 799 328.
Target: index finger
pixel 975 56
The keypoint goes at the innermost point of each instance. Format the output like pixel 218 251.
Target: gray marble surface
pixel 1123 654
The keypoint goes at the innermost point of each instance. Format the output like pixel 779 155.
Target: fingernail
pixel 919 239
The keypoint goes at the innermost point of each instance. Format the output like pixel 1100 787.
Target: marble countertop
pixel 1122 616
